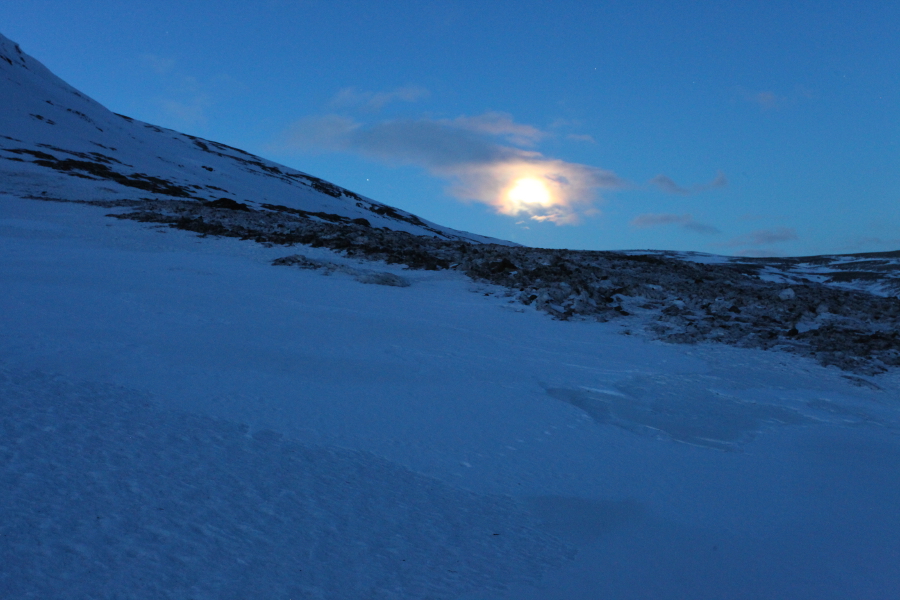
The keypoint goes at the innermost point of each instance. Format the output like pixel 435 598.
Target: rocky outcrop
pixel 670 299
pixel 361 275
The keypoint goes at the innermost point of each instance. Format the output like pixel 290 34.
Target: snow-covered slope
pixel 53 137
pixel 179 418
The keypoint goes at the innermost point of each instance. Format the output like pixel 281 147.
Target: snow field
pixel 148 368
pixel 106 496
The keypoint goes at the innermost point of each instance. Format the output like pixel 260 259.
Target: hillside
pixel 54 137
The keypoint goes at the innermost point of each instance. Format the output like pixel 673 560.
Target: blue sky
pixel 758 128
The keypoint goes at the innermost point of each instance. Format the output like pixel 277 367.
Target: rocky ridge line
pixel 671 300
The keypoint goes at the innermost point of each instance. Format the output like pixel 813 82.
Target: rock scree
pixel 666 298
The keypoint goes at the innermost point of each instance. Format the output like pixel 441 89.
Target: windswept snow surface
pixel 180 419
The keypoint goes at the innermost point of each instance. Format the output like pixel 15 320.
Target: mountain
pixel 223 393
pixel 875 272
pixel 56 138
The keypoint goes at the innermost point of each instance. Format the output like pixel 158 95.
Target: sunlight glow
pixel 527 193
pixel 535 188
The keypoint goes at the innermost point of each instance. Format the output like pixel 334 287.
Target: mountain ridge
pixel 54 133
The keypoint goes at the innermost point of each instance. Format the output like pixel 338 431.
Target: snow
pixel 179 418
pixel 108 497
pixel 46 122
pixel 876 273
pixel 147 368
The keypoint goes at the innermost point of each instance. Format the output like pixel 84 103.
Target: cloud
pixel 488 158
pixel 466 152
pixel 764 237
pixel 668 185
pixel 558 125
pixel 655 219
pixel 701 228
pixel 327 133
pixel 500 124
pixel 871 244
pixel 756 253
pixel 769 100
pixel 184 100
pixel 375 101
pixel 571 188
pixel 686 221
pixel 192 112
pixel 766 100
pixel 578 137
pixel 157 64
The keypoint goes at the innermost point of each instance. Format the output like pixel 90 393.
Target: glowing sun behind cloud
pixel 528 193
pixel 514 181
pixel 529 185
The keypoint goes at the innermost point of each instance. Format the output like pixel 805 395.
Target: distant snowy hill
pixel 874 272
pixel 50 134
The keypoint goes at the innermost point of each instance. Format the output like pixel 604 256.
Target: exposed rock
pixel 362 276
pixel 229 204
pixel 787 294
pixel 672 299
pixel 383 279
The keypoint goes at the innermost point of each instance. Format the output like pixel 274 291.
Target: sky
pixel 739 128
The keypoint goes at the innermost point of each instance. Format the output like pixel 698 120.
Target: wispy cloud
pixel 561 126
pixel 668 185
pixel 763 237
pixel 764 99
pixel 191 112
pixel 374 101
pixel 158 64
pixel 488 157
pixel 499 124
pixel 581 137
pixel 685 221
pixel 870 244
pixel 768 100
pixel 184 100
pixel 757 253
pixel 476 154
